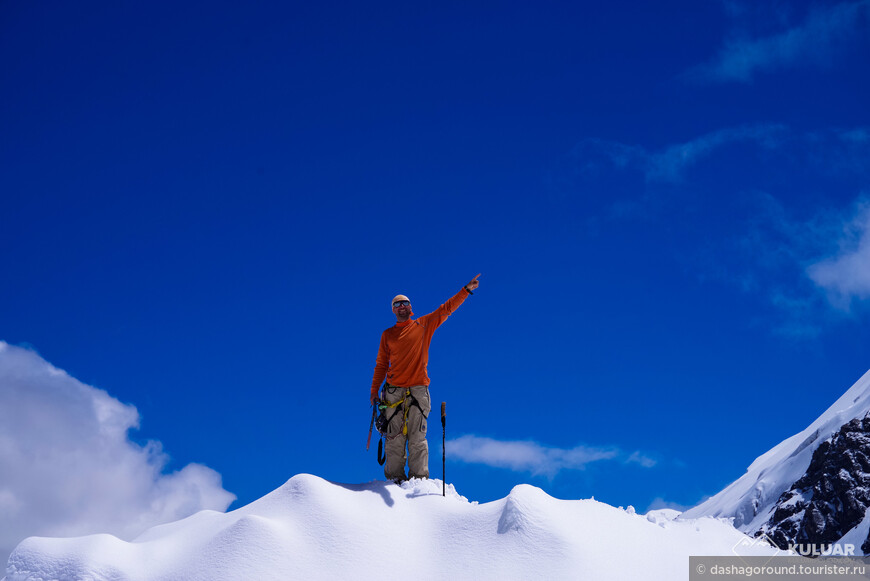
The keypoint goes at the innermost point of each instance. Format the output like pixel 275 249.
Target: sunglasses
pixel 401 304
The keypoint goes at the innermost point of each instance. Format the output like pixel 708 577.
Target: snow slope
pixel 751 499
pixel 313 529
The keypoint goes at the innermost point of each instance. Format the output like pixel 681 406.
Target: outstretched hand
pixel 473 284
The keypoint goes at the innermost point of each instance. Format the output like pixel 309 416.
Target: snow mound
pixel 313 529
pixel 662 516
pixel 750 499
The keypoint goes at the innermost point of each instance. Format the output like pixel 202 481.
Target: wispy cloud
pixel 660 503
pixel 845 276
pixel 67 466
pixel 641 459
pixel 794 259
pixel 820 37
pixel 768 247
pixel 536 459
pixel 835 151
pixel 670 163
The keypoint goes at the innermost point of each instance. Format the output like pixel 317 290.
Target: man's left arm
pixel 440 314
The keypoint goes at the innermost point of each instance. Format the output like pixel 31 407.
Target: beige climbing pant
pixel 396 439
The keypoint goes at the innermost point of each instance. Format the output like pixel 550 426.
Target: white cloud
pixel 641 459
pixel 806 266
pixel 670 163
pixel 832 152
pixel 846 276
pixel 773 250
pixel 816 40
pixel 528 456
pixel 67 466
pixel 660 503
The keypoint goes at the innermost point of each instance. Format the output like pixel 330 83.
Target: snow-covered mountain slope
pixel 832 497
pixel 313 529
pixel 778 486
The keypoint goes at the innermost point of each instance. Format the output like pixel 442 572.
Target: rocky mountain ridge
pixel 833 495
pixel 812 489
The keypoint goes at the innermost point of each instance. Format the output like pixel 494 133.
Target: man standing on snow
pixel 402 358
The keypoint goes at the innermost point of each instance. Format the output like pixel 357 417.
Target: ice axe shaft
pixel 443 448
pixel 371 425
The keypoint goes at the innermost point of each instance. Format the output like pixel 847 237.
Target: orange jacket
pixel 404 350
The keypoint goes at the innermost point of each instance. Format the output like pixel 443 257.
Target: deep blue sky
pixel 207 206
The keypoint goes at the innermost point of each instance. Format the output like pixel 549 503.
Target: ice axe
pixel 371 425
pixel 443 447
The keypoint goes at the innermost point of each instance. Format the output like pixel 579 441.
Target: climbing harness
pixel 382 422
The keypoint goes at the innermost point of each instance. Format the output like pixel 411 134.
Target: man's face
pixel 402 308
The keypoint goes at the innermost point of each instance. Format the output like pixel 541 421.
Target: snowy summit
pixel 811 489
pixel 314 529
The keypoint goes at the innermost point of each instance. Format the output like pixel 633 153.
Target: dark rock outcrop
pixel 831 497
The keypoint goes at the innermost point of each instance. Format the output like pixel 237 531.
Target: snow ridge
pixel 832 497
pixel 311 528
pixel 752 499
